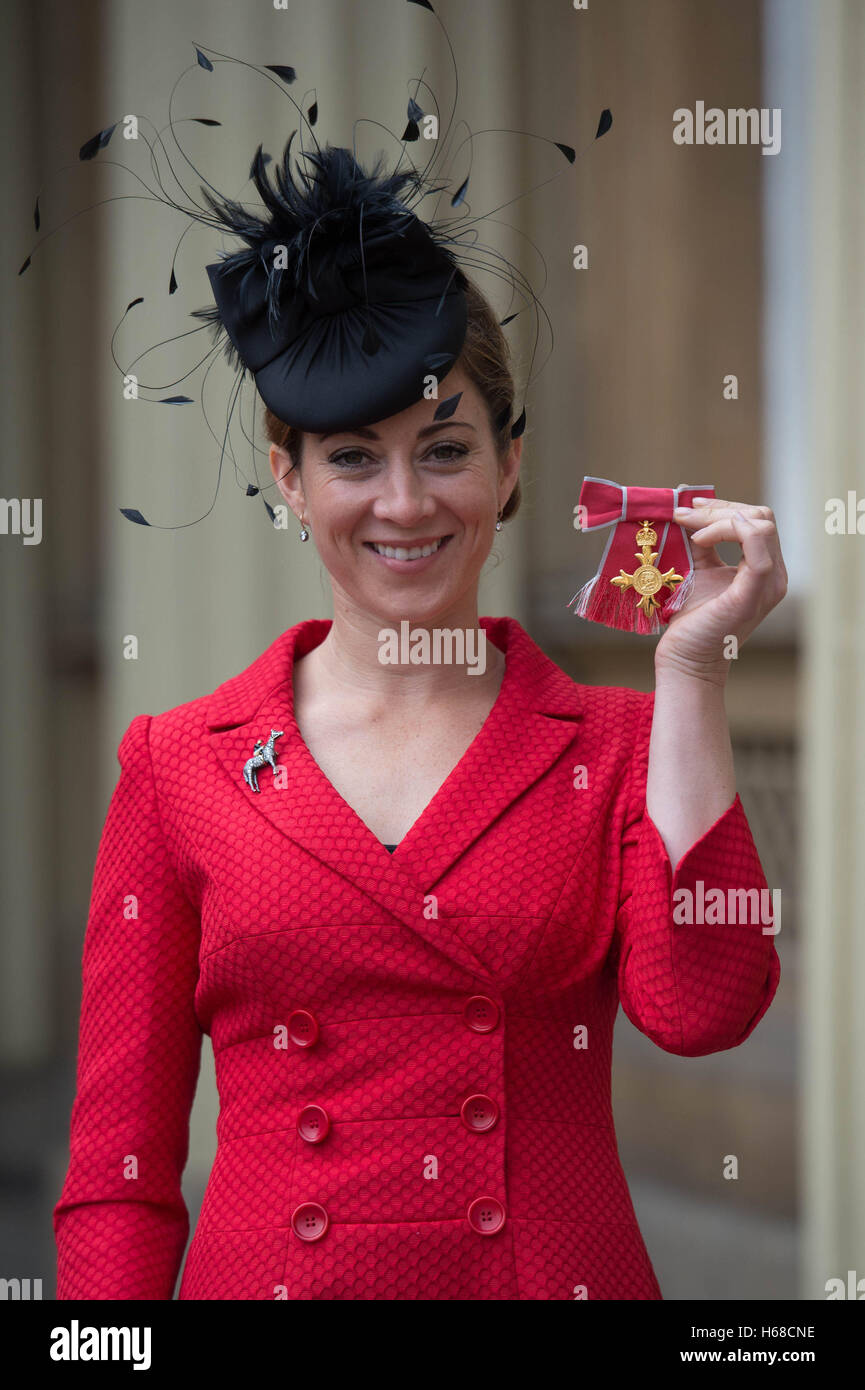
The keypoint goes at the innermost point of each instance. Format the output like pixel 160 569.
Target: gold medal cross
pixel 647 579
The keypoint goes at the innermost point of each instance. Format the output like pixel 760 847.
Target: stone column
pixel 833 1135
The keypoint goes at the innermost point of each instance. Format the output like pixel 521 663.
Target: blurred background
pixel 705 263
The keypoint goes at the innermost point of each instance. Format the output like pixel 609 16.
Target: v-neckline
pixel 531 725
pixel 296 737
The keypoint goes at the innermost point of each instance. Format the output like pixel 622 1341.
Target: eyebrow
pixel 367 433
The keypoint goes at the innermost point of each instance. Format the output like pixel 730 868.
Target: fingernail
pixel 701 501
pixel 681 511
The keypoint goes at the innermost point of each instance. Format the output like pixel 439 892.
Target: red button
pixel 303 1028
pixel 486 1215
pixel 313 1124
pixel 481 1014
pixel 479 1113
pixel 309 1221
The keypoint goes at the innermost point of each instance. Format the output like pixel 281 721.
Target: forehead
pixel 420 417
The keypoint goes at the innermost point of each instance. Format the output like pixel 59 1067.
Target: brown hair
pixel 485 359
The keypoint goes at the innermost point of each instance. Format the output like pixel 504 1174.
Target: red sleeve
pixel 692 986
pixel 121 1224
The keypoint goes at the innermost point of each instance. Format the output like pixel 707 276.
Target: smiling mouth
pixel 411 552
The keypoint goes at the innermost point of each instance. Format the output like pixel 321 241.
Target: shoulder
pixel 233 701
pixel 618 701
pixel 539 673
pixel 148 738
pixel 612 723
pixel 618 720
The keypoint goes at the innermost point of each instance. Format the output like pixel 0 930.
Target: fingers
pixel 723 528
pixel 707 503
pixel 711 520
pixel 705 556
pixel 761 579
pixel 707 509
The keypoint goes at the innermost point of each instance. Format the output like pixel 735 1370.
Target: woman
pixel 404 898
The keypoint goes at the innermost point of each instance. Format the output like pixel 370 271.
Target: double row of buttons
pixel 478 1113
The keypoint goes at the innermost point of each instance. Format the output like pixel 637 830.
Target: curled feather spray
pixel 334 253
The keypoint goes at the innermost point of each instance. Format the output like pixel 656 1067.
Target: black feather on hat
pixel 342 304
pixel 342 301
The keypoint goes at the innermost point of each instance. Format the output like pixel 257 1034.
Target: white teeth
pixel 399 552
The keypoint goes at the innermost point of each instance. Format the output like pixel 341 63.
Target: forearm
pixel 691 780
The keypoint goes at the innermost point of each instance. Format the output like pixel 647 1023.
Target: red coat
pixel 406 1107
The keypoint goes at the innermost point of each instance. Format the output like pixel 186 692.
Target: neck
pixel 404 660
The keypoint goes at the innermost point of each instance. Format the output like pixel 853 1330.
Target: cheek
pixel 481 507
pixel 473 494
pixel 337 506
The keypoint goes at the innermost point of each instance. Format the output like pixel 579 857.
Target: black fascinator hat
pixel 342 301
pixel 338 303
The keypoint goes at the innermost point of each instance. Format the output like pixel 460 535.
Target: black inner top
pixel 391 848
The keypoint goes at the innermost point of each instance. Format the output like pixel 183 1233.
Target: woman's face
pixel 403 512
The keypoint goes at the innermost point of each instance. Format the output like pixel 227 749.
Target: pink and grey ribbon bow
pixel 646 571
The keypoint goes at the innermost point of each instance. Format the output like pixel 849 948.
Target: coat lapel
pixel 531 724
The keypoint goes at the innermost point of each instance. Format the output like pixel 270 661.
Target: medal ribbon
pixel 626 509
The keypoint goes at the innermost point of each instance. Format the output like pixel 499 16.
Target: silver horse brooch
pixel 262 754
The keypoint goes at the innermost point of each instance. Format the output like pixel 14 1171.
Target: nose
pixel 403 497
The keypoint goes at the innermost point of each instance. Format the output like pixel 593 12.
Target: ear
pixel 510 471
pixel 287 479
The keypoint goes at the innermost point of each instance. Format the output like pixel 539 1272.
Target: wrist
pixel 671 669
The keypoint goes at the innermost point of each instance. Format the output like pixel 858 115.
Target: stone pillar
pixel 23 886
pixel 50 99
pixel 833 1135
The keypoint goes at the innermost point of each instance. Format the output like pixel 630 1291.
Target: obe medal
pixel 647 579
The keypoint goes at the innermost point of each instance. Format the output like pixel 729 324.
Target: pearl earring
pixel 304 534
pixel 499 522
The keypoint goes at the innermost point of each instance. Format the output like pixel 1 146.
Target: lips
pixel 419 551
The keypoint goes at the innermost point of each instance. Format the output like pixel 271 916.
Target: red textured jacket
pixel 412 1050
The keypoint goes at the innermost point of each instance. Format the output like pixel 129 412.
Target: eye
pixel 455 451
pixel 446 451
pixel 350 458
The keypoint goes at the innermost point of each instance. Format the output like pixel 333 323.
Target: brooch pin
pixel 262 755
pixel 647 579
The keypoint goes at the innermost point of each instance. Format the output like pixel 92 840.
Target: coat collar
pixel 534 719
pixel 541 682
